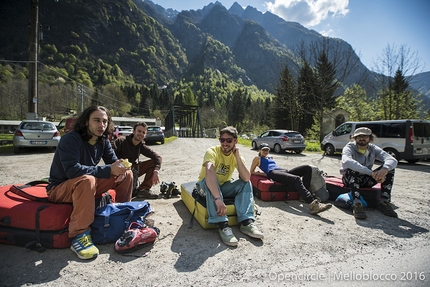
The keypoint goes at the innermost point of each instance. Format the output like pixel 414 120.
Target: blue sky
pixel 368 25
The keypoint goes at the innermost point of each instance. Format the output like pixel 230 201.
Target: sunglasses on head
pixel 229 140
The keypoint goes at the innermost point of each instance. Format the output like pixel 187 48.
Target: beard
pixel 226 150
pixel 362 143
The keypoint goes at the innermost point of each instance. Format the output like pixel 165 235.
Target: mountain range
pixel 164 46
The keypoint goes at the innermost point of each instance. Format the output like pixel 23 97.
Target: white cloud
pixel 308 12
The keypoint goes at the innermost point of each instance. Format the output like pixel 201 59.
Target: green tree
pixel 287 109
pixel 355 101
pixel 236 109
pixel 306 84
pixel 397 101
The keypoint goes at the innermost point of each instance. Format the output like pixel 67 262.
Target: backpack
pixel 318 187
pixel 113 219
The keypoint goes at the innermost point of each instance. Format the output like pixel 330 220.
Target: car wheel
pixel 254 145
pixel 298 151
pixel 392 152
pixel 277 148
pixel 16 150
pixel 329 149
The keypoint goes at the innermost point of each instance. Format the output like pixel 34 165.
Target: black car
pixel 155 134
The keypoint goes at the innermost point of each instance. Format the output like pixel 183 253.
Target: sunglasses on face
pixel 229 140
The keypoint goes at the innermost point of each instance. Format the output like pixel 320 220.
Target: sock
pixel 356 196
pixel 223 225
pixel 247 222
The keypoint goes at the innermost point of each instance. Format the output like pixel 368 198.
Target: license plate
pixel 38 142
pixel 296 141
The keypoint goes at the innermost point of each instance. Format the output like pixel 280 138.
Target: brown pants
pixel 145 168
pixel 81 192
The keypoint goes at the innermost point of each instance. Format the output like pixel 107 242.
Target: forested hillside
pixel 138 59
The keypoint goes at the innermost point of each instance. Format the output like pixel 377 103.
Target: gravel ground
pixel 299 249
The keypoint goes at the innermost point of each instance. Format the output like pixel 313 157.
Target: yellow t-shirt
pixel 224 165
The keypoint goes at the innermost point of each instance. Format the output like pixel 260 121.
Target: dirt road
pixel 299 249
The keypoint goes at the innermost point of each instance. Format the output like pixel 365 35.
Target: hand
pixel 380 175
pixel 117 168
pixel 235 151
pixel 155 178
pixel 221 209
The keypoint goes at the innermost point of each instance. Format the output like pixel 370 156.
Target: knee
pixel 88 180
pixel 129 174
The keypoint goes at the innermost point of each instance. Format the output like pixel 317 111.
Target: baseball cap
pixel 362 131
pixel 264 146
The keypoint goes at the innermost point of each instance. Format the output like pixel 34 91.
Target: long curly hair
pixel 80 125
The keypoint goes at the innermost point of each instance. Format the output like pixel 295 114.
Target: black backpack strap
pixel 36 244
pixel 19 190
pixel 190 225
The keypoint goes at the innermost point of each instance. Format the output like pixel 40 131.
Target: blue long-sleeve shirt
pixel 75 157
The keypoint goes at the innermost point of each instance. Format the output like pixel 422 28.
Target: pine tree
pixel 286 110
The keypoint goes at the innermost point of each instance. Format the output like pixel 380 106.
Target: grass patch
pixel 313 147
pixel 169 139
pixel 6 136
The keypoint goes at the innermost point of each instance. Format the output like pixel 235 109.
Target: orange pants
pixel 81 192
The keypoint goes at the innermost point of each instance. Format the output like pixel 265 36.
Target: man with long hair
pixel 76 178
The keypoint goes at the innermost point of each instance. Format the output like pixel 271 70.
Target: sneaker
pixel 387 209
pixel 228 237
pixel 146 193
pixel 316 206
pixel 358 211
pixel 251 230
pixel 83 246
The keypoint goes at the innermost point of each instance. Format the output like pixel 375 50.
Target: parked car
pixel 34 133
pixel 155 134
pixel 66 125
pixel 281 140
pixel 121 131
pixel 403 139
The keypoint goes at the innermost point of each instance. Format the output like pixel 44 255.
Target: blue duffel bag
pixel 111 220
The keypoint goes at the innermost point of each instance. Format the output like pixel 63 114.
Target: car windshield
pixel 153 129
pixel 37 126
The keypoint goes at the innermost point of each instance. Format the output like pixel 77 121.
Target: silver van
pixel 403 139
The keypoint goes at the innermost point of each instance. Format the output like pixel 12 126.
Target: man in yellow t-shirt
pixel 215 180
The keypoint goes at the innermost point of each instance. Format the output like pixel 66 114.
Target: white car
pixel 34 133
pixel 121 131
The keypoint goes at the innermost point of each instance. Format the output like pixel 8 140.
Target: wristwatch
pixel 215 199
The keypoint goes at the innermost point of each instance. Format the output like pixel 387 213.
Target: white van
pixel 403 139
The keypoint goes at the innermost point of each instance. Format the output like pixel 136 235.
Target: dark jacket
pixel 124 148
pixel 75 157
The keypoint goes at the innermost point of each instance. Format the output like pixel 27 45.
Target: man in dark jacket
pixel 76 177
pixel 131 147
